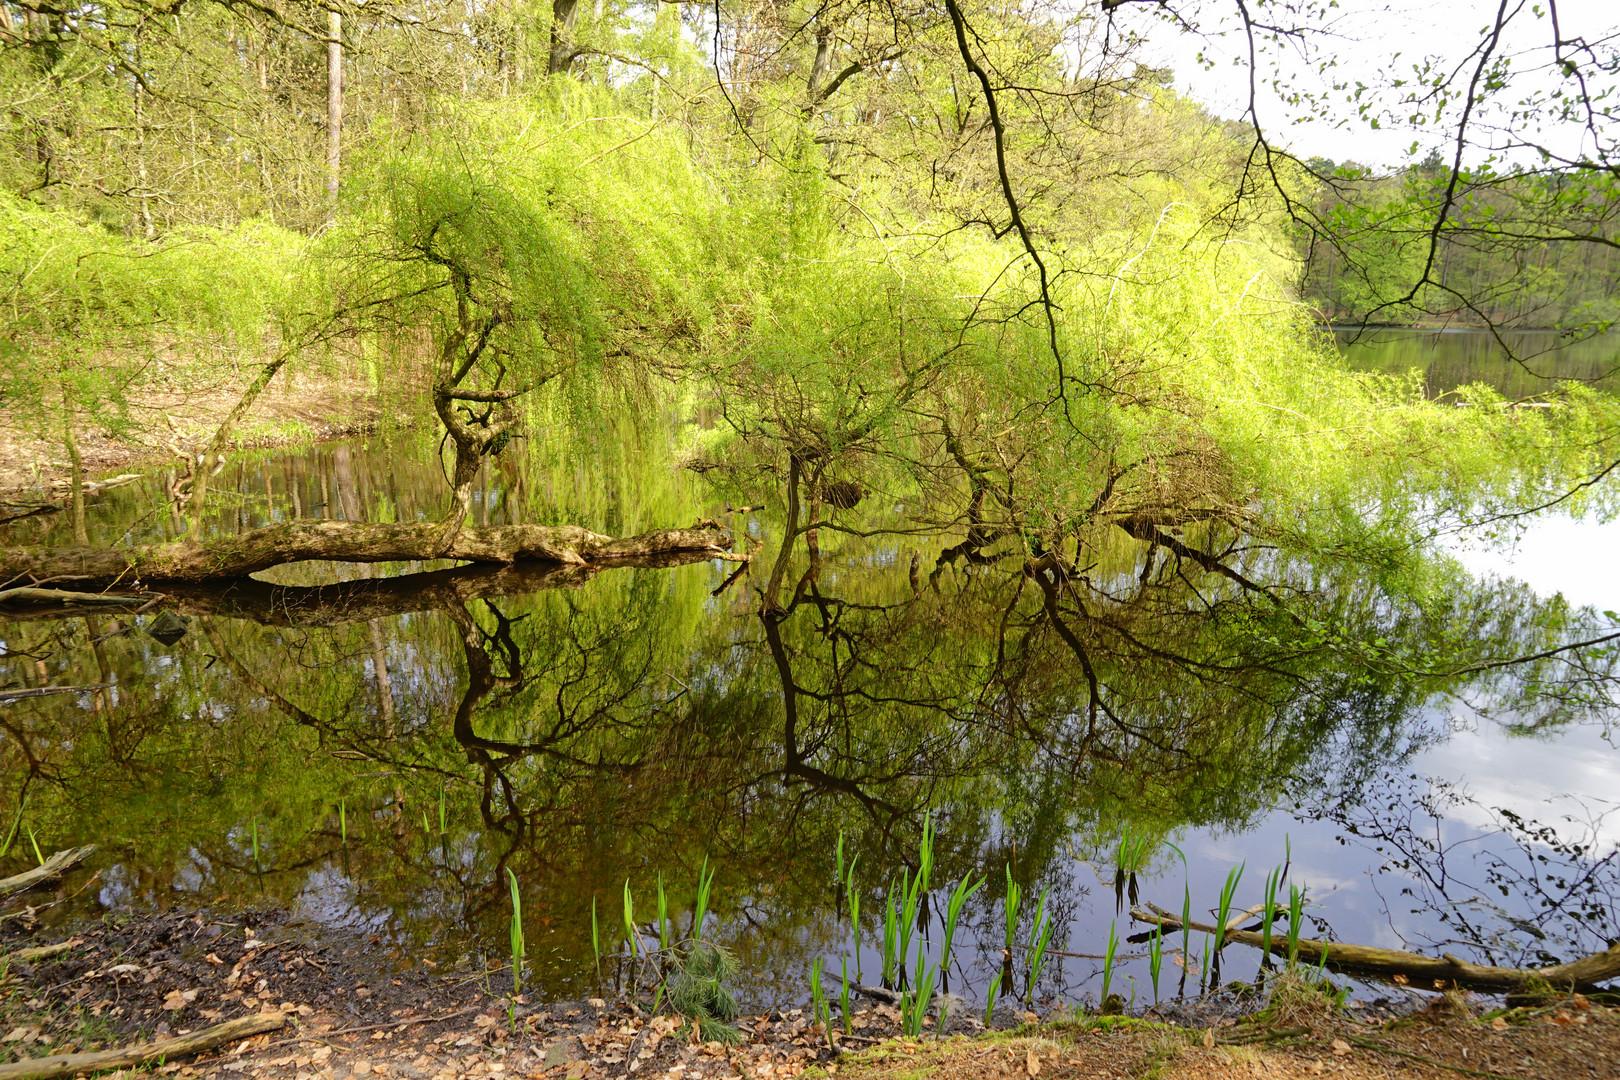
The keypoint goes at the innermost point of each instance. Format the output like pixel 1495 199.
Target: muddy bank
pixel 133 977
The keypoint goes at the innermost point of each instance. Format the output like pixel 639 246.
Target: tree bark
pixel 146 1054
pixel 227 557
pixel 562 36
pixel 1425 972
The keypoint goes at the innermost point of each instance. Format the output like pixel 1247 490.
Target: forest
pixel 772 425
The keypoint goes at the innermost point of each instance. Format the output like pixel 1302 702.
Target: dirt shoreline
pixel 130 977
pixel 293 409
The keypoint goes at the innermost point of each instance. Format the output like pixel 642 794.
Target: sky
pixel 1368 40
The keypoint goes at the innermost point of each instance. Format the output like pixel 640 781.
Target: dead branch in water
pixel 1426 972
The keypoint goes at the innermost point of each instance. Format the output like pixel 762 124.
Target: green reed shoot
pixel 701 907
pixel 1156 959
pixel 1203 967
pixel 1108 961
pixel 663 914
pixel 990 997
pixel 518 950
pixel 1186 937
pixel 443 821
pixel 343 820
pixel 658 999
pixel 910 898
pixel 1296 915
pixel 1131 854
pixel 818 1000
pixel 1014 897
pixel 953 912
pixel 596 939
pixel 255 840
pixel 891 920
pixel 1043 939
pixel 630 920
pixel 16 826
pixel 843 1001
pixel 838 862
pixel 1227 892
pixel 1269 912
pixel 426 828
pixel 852 896
pixel 41 858
pixel 914 1006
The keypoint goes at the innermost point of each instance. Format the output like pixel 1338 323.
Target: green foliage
pixel 698 991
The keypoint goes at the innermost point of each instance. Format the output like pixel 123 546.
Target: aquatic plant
pixel 953 912
pixel 698 992
pixel 630 934
pixel 1108 960
pixel 1296 913
pixel 596 939
pixel 818 1000
pixel 1043 939
pixel 1131 854
pixel 1228 890
pixel 663 913
pixel 16 825
pixel 1013 899
pixel 1156 958
pixel 914 1004
pixel 41 858
pixel 990 997
pixel 843 1001
pixel 343 820
pixel 1268 913
pixel 518 950
pixel 700 908
pixel 1186 938
pixel 891 921
pixel 443 822
pixel 853 897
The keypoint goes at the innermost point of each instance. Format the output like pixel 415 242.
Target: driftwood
pixel 1445 972
pixel 237 556
pixel 163 1050
pixel 63 860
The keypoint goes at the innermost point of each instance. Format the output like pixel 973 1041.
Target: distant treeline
pixel 1510 248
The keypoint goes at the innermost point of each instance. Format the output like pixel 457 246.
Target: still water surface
pixel 375 754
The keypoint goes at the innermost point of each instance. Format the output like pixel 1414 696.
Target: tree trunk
pixel 237 556
pixel 334 101
pixel 562 36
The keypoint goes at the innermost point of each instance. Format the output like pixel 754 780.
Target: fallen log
pixel 161 1051
pixel 226 557
pixel 25 594
pixel 36 953
pixel 1444 972
pixel 62 861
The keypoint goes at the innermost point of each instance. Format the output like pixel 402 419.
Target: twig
pixel 323 1036
pixel 1369 1044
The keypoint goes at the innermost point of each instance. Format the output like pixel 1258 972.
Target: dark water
pixel 375 752
pixel 1518 363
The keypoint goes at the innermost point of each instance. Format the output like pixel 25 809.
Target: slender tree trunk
pixel 81 535
pixel 334 101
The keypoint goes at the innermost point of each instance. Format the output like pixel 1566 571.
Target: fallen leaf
pixel 1340 1047
pixel 1400 980
pixel 596 1003
pixel 321 1054
pixel 1209 1038
pixel 1500 1023
pixel 362 1067
pixel 1032 1064
pixel 213 959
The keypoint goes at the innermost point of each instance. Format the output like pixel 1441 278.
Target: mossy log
pixel 1444 972
pixel 152 1053
pixel 226 557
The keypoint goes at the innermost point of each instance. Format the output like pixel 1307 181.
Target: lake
pixel 375 753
